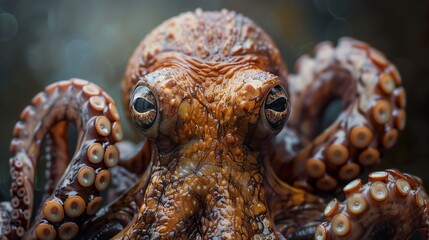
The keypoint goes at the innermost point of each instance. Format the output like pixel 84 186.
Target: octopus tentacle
pixel 134 160
pixel 116 216
pixel 295 212
pixel 120 212
pixel 391 204
pixel 135 157
pixel 5 220
pixel 373 113
pixel 118 188
pixel 57 156
pixel 96 119
pixel 57 159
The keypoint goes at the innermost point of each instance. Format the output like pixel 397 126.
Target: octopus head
pixel 208 90
pixel 172 108
pixel 205 79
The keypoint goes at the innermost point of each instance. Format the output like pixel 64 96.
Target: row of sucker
pixel 77 194
pixel 56 154
pixel 390 204
pixel 373 113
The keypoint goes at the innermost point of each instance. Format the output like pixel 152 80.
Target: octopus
pixel 232 147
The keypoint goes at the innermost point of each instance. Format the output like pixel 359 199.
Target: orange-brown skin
pixel 208 180
pixel 207 90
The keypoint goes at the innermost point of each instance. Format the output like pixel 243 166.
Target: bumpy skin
pixel 207 90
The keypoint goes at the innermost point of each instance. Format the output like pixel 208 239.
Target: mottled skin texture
pixel 209 93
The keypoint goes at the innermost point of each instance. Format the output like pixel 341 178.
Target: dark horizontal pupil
pixel 142 105
pixel 278 105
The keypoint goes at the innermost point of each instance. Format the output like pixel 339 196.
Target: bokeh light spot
pixel 8 27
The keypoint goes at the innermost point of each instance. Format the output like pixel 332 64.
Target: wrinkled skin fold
pixel 211 97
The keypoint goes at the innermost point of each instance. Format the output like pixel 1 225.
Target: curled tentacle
pixel 391 205
pixel 116 216
pixel 56 148
pixel 373 113
pixel 126 179
pixel 77 194
pixel 134 159
pixel 295 212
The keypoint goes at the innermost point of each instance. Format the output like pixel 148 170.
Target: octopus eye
pixel 144 107
pixel 276 107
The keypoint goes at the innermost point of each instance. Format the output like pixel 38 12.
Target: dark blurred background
pixel 43 42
